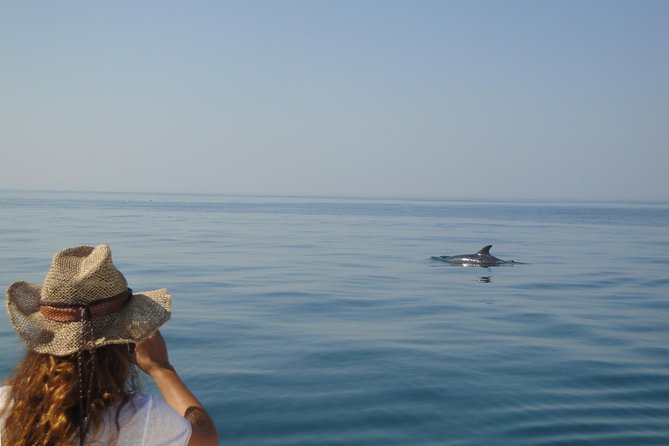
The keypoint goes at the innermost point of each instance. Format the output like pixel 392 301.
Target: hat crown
pixel 82 275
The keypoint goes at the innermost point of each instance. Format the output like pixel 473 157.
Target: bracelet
pixel 197 416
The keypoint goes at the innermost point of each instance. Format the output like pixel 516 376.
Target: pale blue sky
pixel 445 99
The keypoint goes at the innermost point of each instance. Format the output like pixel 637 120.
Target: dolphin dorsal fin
pixel 485 250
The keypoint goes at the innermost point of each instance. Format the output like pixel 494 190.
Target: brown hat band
pixel 78 312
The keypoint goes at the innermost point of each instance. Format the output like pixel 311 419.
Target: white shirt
pixel 145 421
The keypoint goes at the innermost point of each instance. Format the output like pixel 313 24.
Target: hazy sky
pixel 444 99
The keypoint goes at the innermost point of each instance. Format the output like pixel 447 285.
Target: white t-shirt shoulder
pixel 145 421
pixel 3 403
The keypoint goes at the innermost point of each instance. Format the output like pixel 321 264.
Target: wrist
pixel 162 370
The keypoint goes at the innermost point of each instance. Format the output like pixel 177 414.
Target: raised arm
pixel 151 357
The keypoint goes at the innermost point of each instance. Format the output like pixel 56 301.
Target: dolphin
pixel 482 258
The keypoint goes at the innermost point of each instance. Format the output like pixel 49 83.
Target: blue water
pixel 321 321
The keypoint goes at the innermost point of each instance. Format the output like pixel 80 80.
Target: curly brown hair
pixel 44 395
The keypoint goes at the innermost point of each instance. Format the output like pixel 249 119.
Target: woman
pixel 86 331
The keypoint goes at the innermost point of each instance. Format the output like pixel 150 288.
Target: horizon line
pixel 351 197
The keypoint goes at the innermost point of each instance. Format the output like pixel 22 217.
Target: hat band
pixel 78 312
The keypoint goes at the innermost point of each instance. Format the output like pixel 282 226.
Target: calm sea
pixel 319 321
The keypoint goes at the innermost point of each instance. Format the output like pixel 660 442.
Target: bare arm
pixel 151 357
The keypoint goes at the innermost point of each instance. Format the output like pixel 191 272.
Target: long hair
pixel 43 398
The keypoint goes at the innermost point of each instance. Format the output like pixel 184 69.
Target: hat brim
pixel 144 313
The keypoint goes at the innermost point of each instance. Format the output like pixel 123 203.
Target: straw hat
pixel 84 303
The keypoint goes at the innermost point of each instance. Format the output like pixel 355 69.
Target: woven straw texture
pixel 81 276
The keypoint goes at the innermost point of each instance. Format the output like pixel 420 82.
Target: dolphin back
pixel 481 258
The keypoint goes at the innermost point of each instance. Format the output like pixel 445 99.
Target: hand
pixel 151 355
